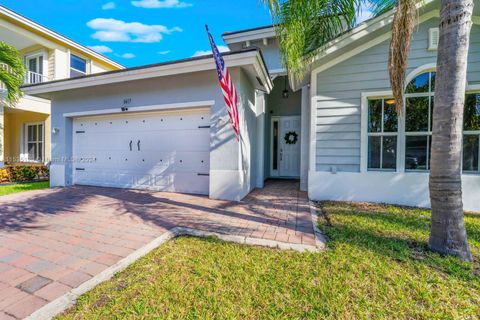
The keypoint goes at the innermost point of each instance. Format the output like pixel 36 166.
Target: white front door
pixel 286 146
pixel 165 151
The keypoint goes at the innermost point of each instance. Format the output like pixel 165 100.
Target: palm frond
pixel 12 72
pixel 403 26
pixel 304 27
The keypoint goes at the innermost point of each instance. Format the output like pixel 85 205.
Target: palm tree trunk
pixel 448 235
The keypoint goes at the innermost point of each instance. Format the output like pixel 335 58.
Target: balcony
pixel 30 77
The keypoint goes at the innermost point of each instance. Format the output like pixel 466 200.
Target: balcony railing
pixel 30 77
pixel 33 78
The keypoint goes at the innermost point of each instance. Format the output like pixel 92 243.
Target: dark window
pixel 382 140
pixel 470 153
pixel 78 66
pixel 275 146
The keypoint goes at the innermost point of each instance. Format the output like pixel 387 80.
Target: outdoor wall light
pixel 55 130
pixel 285 91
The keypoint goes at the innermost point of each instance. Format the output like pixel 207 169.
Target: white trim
pixel 24 141
pixel 433 37
pixel 364 125
pixel 417 71
pixel 175 68
pixel 252 35
pixel 160 107
pixel 313 123
pixel 363 30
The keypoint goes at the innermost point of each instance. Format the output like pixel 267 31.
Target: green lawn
pixel 21 187
pixel 376 267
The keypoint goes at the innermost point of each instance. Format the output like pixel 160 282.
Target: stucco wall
pixel 14 126
pixel 199 86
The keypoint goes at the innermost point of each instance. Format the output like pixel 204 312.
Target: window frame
pixel 70 68
pixel 472 90
pixel 382 134
pixel 36 55
pixel 430 95
pixel 25 141
pixel 401 134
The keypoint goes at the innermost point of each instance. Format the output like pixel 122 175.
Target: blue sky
pixel 143 31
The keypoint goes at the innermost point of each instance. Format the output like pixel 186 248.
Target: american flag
pixel 226 83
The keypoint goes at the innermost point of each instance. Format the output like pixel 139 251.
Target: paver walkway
pixel 54 240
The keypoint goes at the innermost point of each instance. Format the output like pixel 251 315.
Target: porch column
pixel 305 138
pixel 2 135
pixel 260 107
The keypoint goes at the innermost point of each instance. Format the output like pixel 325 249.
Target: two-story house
pixel 25 128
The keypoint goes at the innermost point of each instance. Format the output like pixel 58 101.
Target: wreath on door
pixel 291 137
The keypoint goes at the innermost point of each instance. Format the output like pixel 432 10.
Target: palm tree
pixel 303 28
pixel 12 73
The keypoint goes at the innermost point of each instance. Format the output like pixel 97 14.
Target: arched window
pixel 419 99
pixel 412 138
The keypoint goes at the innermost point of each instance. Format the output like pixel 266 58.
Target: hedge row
pixel 23 173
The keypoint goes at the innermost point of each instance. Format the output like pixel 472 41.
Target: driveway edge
pixel 69 299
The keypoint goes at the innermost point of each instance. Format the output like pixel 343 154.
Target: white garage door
pixel 168 151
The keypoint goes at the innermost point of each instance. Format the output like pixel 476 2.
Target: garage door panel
pixel 144 122
pixel 164 152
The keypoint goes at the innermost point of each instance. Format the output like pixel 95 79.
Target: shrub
pixel 24 173
pixel 4 175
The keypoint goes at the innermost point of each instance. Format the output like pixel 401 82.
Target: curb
pixel 68 300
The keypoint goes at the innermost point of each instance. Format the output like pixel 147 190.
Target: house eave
pixel 240 59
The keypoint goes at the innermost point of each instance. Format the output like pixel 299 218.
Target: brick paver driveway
pixel 54 240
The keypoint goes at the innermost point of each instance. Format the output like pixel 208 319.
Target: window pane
pixel 75 74
pixel 32 151
pixel 275 146
pixel 40 64
pixel 32 133
pixel 416 119
pixel 416 153
pixel 390 119
pixel 40 132
pixel 432 105
pixel 432 81
pixel 40 152
pixel 389 153
pixel 32 65
pixel 419 84
pixel 470 153
pixel 472 112
pixel 78 63
pixel 374 152
pixel 374 115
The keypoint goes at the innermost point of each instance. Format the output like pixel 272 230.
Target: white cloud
pixel 127 56
pixel 101 49
pixel 112 30
pixel 109 6
pixel 207 52
pixel 164 52
pixel 156 4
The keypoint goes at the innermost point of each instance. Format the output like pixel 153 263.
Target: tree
pixel 448 235
pixel 12 73
pixel 304 27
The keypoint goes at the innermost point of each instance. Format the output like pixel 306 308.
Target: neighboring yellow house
pixel 25 129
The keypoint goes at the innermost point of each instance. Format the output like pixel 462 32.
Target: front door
pixel 286 146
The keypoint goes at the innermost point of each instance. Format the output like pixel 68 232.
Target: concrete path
pixel 54 240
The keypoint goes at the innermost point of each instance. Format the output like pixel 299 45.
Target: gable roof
pixel 45 32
